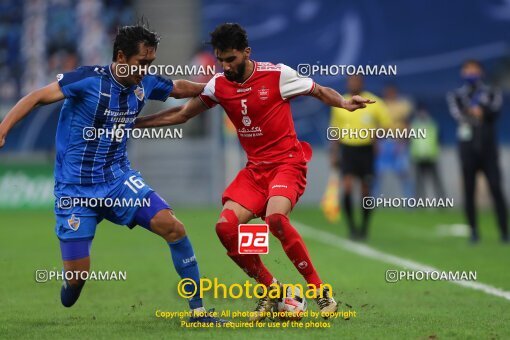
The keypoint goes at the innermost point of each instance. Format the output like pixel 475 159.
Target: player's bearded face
pixel 233 63
pixel 237 73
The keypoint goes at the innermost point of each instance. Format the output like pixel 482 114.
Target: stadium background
pixel 40 39
pixel 427 40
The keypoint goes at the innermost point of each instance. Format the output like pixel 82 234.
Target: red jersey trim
pixel 207 101
pixel 304 93
pixel 313 88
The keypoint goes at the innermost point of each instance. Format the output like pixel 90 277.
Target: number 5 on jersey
pixel 244 108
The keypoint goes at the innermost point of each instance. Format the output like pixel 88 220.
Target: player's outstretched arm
pixel 172 116
pixel 46 95
pixel 331 97
pixel 186 89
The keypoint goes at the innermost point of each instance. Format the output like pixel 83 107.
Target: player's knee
pixel 226 227
pixel 278 224
pixel 222 229
pixel 168 227
pixel 174 231
pixel 227 217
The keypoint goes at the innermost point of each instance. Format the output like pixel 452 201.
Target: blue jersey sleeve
pixel 157 88
pixel 72 83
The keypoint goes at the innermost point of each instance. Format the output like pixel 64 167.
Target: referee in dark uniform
pixel 475 106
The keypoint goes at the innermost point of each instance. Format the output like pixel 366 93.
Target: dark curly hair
pixel 229 36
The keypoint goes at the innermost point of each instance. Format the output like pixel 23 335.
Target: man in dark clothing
pixel 475 106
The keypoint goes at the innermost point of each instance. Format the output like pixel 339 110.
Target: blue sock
pixel 69 294
pixel 186 266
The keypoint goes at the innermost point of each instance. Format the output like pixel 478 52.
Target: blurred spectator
pixel 476 107
pixel 354 155
pixel 39 39
pixel 10 61
pixel 62 61
pixel 425 152
pixel 203 57
pixel 393 154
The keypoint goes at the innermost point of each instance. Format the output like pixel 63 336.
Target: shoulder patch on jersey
pixel 267 66
pixel 80 73
pixel 90 71
pixel 100 70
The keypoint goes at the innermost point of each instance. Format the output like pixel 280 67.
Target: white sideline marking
pixel 366 251
pixel 458 230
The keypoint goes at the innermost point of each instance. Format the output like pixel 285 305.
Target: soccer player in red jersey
pixel 255 96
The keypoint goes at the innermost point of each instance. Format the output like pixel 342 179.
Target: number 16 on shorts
pixel 253 238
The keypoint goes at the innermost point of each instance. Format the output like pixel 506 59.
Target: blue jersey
pixel 96 101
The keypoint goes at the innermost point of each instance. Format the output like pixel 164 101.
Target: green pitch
pixel 384 310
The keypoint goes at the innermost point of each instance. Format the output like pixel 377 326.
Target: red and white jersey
pixel 259 108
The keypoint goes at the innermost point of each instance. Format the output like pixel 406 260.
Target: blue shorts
pixel 124 201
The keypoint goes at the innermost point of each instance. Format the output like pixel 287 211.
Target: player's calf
pixel 76 257
pixel 294 246
pixel 165 224
pixel 227 230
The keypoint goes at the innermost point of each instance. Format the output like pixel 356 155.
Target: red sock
pixel 250 263
pixel 293 246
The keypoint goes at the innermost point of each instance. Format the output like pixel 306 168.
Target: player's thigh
pixel 146 208
pixel 278 205
pixel 249 191
pixel 286 187
pixel 74 220
pixel 243 214
pixel 78 225
pixel 136 202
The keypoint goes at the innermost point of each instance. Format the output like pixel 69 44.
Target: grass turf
pixel 127 309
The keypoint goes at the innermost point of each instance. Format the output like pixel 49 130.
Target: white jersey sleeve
pixel 208 94
pixel 292 84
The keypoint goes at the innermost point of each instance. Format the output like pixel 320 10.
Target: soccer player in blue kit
pixel 99 97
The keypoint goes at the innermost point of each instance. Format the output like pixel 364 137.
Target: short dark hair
pixel 229 36
pixel 129 37
pixel 472 62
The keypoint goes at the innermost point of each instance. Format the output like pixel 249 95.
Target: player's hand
pixel 356 102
